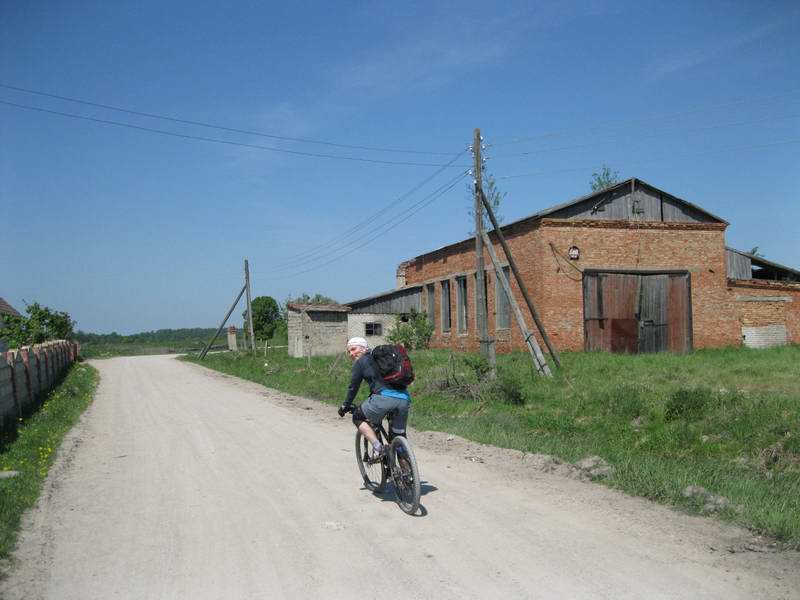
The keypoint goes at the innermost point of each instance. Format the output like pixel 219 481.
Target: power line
pixel 644 137
pixel 335 241
pixel 220 127
pixel 628 123
pixel 226 142
pixel 427 201
pixel 646 160
pixel 382 227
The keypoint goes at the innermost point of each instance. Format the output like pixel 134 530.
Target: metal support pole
pixel 225 320
pixel 523 289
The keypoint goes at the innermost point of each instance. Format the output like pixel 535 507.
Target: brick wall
pixel 698 249
pixel 767 304
pixel 323 332
pixel 356 327
pixel 758 314
pixel 555 282
pixel 295 332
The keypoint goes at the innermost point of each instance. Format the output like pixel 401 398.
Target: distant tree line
pixel 269 322
pixel 157 337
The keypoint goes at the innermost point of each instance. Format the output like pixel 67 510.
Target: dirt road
pixel 184 483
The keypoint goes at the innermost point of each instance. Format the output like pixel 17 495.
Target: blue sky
pixel 131 230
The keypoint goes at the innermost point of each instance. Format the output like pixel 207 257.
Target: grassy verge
pixel 90 350
pixel 727 420
pixel 32 453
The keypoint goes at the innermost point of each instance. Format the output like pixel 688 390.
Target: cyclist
pixel 383 398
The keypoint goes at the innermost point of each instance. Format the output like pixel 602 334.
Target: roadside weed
pixel 33 451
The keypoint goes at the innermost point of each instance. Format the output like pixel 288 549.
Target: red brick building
pixel 631 268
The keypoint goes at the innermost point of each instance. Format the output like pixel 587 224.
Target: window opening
pixel 373 329
pixel 445 305
pixel 461 300
pixel 431 304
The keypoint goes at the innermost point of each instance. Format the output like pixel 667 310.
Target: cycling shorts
pixel 376 407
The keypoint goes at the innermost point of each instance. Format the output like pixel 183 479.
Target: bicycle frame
pixel 397 463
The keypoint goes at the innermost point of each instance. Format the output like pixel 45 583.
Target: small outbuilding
pixel 316 329
pixel 374 317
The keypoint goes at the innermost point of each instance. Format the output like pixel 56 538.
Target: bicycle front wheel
pixel 405 475
pixel 373 473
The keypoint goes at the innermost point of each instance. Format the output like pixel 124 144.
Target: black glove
pixel 344 409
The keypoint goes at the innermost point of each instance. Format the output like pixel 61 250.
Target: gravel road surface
pixel 180 482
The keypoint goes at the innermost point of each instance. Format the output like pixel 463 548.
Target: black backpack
pixel 393 364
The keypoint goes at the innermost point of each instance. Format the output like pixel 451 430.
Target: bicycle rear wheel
pixel 405 475
pixel 374 474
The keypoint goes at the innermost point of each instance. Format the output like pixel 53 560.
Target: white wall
pixel 356 327
pixel 324 332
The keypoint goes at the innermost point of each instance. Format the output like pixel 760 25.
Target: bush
pixel 625 401
pixel 509 388
pixel 478 364
pixel 42 324
pixel 414 333
pixel 791 442
pixel 688 404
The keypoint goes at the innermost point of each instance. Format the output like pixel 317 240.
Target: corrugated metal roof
pixel 558 207
pixel 762 262
pixel 355 303
pixel 7 309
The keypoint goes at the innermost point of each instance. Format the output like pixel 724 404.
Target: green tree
pixel 266 314
pixel 414 333
pixel 41 325
pixel 281 333
pixel 493 195
pixel 604 179
pixel 315 299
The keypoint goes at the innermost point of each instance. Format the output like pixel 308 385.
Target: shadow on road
pixel 388 495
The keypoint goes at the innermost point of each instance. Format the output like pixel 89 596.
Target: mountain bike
pixel 398 464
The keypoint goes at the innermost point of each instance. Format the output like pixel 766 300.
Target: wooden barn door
pixel 610 301
pixel 679 313
pixel 632 312
pixel 652 313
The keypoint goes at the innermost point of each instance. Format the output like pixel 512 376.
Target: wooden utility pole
pixel 518 277
pixel 486 343
pixel 249 306
pixel 530 340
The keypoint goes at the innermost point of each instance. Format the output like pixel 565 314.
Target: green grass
pixel 178 346
pixel 109 350
pixel 728 420
pixel 32 452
